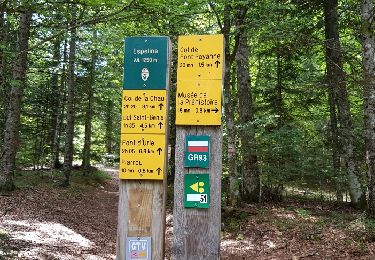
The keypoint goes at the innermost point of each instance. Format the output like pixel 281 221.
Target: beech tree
pixel 11 141
pixel 368 45
pixel 339 98
pixel 251 175
pixel 70 113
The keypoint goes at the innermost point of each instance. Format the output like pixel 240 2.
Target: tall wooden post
pixel 144 149
pixel 197 187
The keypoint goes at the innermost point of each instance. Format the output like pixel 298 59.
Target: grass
pixel 50 179
pixel 302 213
pixel 3 235
pixel 232 219
pixel 6 251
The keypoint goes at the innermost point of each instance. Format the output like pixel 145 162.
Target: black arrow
pixel 161 105
pixel 216 110
pixel 158 170
pixel 160 124
pixel 159 150
pixel 217 63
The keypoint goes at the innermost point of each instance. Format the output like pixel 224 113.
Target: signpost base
pixel 141 213
pixel 196 231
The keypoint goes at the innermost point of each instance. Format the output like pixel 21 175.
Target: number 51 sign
pixel 196 191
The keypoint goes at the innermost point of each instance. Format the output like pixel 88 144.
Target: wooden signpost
pixel 197 186
pixel 143 150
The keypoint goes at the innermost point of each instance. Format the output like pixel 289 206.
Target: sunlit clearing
pixel 235 245
pixel 286 215
pixel 47 233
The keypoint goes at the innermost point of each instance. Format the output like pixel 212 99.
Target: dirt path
pixel 46 223
pixel 80 223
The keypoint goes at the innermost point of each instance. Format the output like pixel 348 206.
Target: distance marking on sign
pixel 145 62
pixel 138 248
pixel 200 57
pixel 196 190
pixel 144 111
pixel 198 102
pixel 197 151
pixel 142 156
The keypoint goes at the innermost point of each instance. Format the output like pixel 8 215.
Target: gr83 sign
pixel 197 151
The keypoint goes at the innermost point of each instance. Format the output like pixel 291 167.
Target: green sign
pixel 197 151
pixel 145 63
pixel 196 191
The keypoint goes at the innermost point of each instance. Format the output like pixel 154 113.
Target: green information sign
pixel 145 63
pixel 197 151
pixel 196 191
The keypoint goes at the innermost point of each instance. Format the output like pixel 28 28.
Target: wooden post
pixel 196 229
pixel 144 149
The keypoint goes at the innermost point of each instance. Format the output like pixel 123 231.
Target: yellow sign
pixel 200 57
pixel 144 111
pixel 142 156
pixel 198 102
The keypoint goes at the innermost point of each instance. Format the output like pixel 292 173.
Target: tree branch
pixel 212 6
pixel 93 21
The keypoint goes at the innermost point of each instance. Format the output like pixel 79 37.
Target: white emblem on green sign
pixel 196 191
pixel 145 62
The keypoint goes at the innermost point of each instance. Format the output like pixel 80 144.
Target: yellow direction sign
pixel 142 156
pixel 144 111
pixel 200 57
pixel 198 102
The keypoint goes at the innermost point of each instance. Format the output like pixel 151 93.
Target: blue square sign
pixel 146 62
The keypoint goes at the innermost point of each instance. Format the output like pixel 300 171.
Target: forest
pixel 298 110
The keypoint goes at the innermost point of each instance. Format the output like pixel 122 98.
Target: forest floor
pixel 40 220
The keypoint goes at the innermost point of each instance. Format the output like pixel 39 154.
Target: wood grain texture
pixel 140 212
pixel 196 232
pixel 147 219
pixel 137 192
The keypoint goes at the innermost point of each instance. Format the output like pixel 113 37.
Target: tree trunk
pixel 11 142
pixel 55 122
pixel 251 176
pixel 88 118
pixel 336 79
pixel 3 92
pixel 368 45
pixel 2 41
pixel 234 191
pixel 335 144
pixel 109 127
pixel 60 112
pixel 278 102
pixel 172 134
pixel 70 116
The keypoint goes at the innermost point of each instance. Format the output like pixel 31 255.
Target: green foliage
pixel 287 69
pixel 48 178
pixel 3 234
pixel 232 219
pixel 303 213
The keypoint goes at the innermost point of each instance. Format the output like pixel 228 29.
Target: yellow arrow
pixel 198 187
